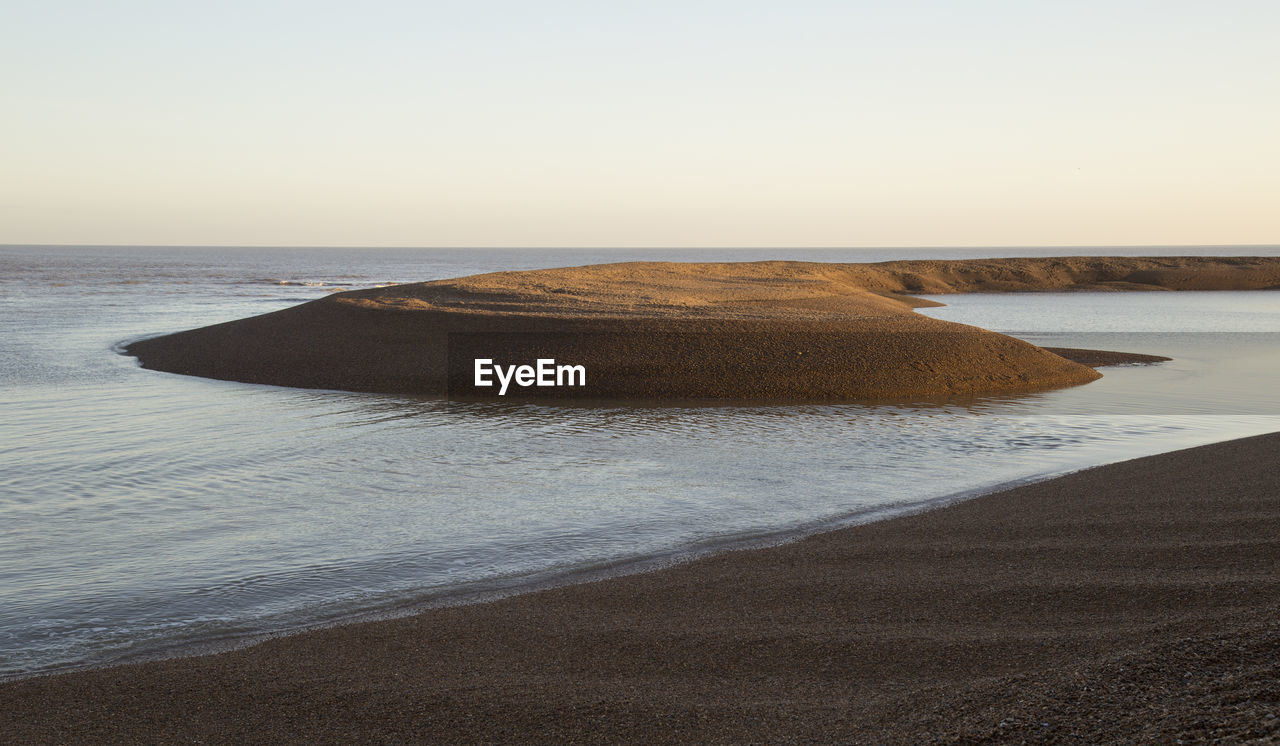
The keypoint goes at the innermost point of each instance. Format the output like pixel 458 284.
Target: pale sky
pixel 666 124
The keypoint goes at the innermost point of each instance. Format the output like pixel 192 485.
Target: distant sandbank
pixel 658 330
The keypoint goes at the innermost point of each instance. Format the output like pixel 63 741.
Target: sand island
pixel 775 330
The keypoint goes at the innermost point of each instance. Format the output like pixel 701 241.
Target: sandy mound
pixel 759 330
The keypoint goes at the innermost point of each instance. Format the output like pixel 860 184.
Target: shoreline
pixel 943 623
pixel 503 587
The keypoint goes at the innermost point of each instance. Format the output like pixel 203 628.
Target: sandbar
pixel 778 331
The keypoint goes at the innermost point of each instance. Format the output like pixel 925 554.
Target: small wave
pixel 120 346
pixel 305 283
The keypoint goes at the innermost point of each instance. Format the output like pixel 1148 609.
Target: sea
pixel 146 514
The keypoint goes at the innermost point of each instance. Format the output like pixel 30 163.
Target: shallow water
pixel 143 512
pixel 1225 346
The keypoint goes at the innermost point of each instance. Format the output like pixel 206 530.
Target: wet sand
pixel 1106 358
pixel 1135 601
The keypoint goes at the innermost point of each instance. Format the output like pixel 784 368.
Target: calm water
pixel 143 513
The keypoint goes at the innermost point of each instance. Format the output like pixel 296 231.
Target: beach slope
pixel 1129 602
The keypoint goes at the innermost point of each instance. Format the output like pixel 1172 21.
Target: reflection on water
pixel 142 512
pixel 1225 346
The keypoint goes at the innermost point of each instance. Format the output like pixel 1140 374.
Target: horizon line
pixel 633 248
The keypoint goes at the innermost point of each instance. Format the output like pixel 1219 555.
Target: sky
pixel 636 124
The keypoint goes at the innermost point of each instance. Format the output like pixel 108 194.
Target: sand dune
pixel 759 330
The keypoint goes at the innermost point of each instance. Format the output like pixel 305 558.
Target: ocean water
pixel 146 514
